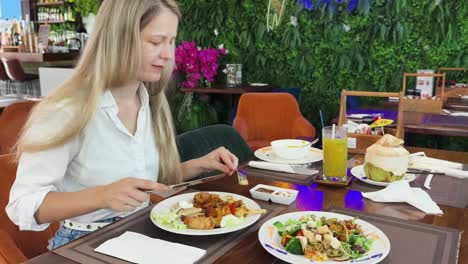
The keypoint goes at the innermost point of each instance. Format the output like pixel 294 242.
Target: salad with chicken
pixel 322 239
pixel 206 211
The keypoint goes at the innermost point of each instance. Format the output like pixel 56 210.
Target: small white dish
pixel 359 173
pixel 284 196
pixel 267 154
pixel 277 194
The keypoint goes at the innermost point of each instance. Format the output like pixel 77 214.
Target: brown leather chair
pixel 30 243
pixel 4 77
pixel 16 73
pixel 12 121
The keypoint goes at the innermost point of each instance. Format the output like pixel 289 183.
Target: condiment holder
pixel 275 194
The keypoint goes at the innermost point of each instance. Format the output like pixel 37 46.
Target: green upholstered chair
pixel 199 142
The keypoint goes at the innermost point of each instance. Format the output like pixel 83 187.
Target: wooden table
pixel 250 251
pixel 418 123
pixel 456 104
pixel 219 89
pixel 452 103
pixel 39 57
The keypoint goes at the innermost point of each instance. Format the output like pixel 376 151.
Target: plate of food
pixel 267 154
pixel 313 236
pixel 205 213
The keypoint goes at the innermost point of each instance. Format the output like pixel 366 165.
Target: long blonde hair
pixel 111 58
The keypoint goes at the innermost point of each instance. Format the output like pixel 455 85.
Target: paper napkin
pixel 400 191
pixel 281 167
pixel 138 248
pixel 436 165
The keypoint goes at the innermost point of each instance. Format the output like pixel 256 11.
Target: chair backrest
pixel 12 121
pixel 9 251
pixel 14 70
pixel 295 91
pixel 267 114
pixel 3 73
pixel 31 243
pixel 199 142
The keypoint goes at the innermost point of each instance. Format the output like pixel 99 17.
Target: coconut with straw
pixel 386 160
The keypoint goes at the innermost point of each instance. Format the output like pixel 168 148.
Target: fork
pixel 242 177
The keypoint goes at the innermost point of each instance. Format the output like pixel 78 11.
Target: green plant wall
pixel 331 48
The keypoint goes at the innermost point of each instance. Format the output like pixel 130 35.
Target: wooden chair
pixel 264 117
pixel 423 105
pixel 12 121
pixel 30 243
pixel 364 141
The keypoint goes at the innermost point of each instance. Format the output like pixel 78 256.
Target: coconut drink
pixel 386 160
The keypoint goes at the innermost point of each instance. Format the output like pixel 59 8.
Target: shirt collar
pixel 109 101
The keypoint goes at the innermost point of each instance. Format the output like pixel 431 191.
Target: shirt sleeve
pixel 38 174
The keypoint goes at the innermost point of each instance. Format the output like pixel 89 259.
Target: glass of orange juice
pixel 335 153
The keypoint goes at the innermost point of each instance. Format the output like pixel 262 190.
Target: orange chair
pixel 30 243
pixel 263 117
pixel 9 252
pixel 12 121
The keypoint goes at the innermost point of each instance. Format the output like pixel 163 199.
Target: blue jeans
pixel 66 235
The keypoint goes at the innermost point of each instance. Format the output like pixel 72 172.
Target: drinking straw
pixel 381 127
pixel 321 119
pixel 333 131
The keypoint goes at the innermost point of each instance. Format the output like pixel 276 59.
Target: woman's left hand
pixel 220 159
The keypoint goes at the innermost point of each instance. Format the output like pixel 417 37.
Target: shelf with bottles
pixel 59 34
pixel 59 14
pixel 53 11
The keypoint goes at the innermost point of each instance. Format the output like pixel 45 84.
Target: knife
pixel 189 183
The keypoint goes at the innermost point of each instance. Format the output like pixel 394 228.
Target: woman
pixel 90 149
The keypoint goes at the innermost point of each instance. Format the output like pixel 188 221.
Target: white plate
pixel 166 205
pixel 271 241
pixel 359 173
pixel 267 154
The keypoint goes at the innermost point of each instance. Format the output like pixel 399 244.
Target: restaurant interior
pixel 346 122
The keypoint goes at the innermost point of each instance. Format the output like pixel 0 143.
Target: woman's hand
pixel 127 194
pixel 220 159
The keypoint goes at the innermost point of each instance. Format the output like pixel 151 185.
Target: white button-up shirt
pixel 103 153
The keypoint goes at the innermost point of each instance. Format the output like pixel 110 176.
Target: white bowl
pixel 464 98
pixel 290 148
